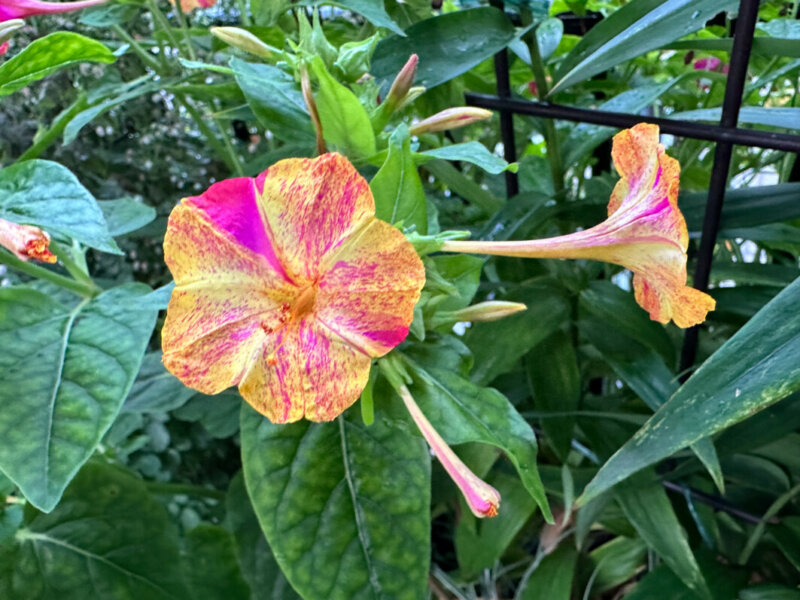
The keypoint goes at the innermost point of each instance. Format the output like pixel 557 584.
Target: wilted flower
pixel 451 118
pixel 22 9
pixel 287 286
pixel 26 241
pixel 645 232
pixel 483 500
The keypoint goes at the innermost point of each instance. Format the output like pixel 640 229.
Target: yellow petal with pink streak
pixel 311 206
pixel 367 294
pixel 225 296
pixel 306 371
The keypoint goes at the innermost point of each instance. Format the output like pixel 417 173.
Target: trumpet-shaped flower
pixel 287 286
pixel 22 9
pixel 645 232
pixel 26 241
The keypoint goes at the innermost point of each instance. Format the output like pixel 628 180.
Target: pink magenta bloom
pixel 645 232
pixel 287 286
pixel 483 500
pixel 190 5
pixel 707 64
pixel 26 241
pixel 22 9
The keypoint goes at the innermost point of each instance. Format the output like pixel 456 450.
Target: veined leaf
pixel 471 152
pixel 774 116
pixel 73 367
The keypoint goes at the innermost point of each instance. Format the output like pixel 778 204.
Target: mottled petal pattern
pixel 287 286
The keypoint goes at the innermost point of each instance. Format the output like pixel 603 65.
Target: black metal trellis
pixel 725 135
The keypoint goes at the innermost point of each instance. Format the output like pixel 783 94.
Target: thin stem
pixel 244 15
pixel 185 29
pixel 163 23
pixel 56 129
pixel 77 271
pixel 76 287
pixel 224 149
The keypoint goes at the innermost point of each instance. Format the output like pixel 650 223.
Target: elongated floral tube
pixel 645 232
pixel 242 39
pixel 451 118
pixel 483 500
pixel 26 242
pixel 22 9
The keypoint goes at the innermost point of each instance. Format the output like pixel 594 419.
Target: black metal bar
pixel 734 88
pixel 506 117
pixel 686 129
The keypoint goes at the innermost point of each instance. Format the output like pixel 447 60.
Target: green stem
pixel 33 270
pixel 758 531
pixel 185 29
pixel 56 129
pixel 542 89
pixel 163 23
pixel 143 54
pixel 187 489
pixel 77 271
pixel 224 149
pixel 244 15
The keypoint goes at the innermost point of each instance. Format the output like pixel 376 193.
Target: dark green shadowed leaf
pixel 108 538
pixel 636 28
pixel 275 100
pixel 74 368
pixel 48 195
pixel 47 55
pixel 446 45
pixel 126 215
pixel 397 188
pixel 372 10
pixel 345 507
pixel 259 568
pixel 755 368
pixel 155 388
pixel 211 565
pixel 553 579
pixel 463 412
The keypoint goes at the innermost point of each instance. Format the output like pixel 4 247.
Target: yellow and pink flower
pixel 287 286
pixel 645 232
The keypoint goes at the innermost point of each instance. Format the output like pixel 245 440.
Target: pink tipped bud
pixel 451 118
pixel 26 241
pixel 22 9
pixel 243 40
pixel 483 500
pixel 403 82
pixel 488 311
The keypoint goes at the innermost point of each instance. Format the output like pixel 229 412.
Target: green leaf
pixel 463 186
pixel 766 46
pixel 345 123
pixel 275 100
pixel 397 188
pixel 372 10
pixel 617 561
pixel 219 414
pixel 471 152
pixel 47 55
pixel 108 538
pixel 464 273
pixel 463 412
pixel 632 30
pixel 108 15
pixel 211 565
pixel 74 368
pixel 446 45
pixel 155 388
pixel 555 380
pixel 746 207
pixel 46 194
pixel 753 369
pixel 258 564
pixel 125 215
pixel 552 580
pixel 774 116
pixel 344 507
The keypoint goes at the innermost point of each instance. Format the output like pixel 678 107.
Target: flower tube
pixel 22 9
pixel 645 232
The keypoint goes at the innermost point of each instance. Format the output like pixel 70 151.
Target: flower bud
pixel 488 311
pixel 7 29
pixel 483 500
pixel 26 241
pixel 402 83
pixel 243 40
pixel 451 118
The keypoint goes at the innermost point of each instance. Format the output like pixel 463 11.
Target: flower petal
pixel 311 206
pixel 224 299
pixel 367 296
pixel 305 371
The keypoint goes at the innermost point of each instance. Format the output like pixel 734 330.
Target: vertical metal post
pixel 734 87
pixel 506 116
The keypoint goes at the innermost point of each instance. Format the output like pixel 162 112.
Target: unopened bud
pixel 243 40
pixel 483 500
pixel 7 28
pixel 26 241
pixel 489 311
pixel 403 82
pixel 451 118
pixel 414 93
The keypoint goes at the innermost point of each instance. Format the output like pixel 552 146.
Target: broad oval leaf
pixel 345 507
pixel 66 372
pixel 47 55
pixel 755 368
pixel 785 117
pixel 48 195
pixel 108 538
pixel 446 45
pixel 636 28
pixel 471 152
